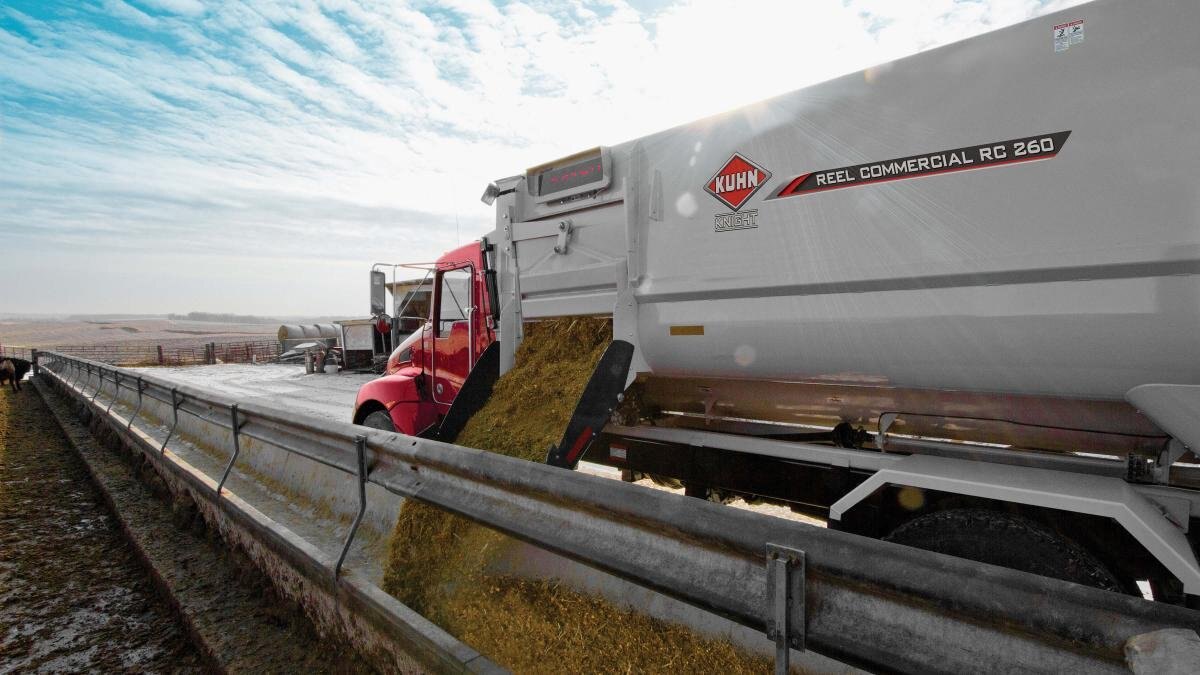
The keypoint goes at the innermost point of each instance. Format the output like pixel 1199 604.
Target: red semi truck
pixel 426 371
pixel 937 302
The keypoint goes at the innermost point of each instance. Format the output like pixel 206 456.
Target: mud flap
pixel 473 395
pixel 599 398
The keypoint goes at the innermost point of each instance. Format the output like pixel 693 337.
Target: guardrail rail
pixel 869 603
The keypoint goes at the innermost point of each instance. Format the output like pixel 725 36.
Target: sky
pixel 257 157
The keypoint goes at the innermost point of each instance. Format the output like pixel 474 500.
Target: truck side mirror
pixel 378 293
pixel 490 193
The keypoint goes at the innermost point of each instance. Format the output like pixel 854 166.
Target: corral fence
pixel 870 603
pixel 241 351
pixel 9 352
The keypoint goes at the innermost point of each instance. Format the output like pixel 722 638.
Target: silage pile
pixel 438 562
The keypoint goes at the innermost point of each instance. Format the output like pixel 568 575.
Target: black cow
pixel 13 370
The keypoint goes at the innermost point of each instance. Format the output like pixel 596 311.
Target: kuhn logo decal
pixel 737 181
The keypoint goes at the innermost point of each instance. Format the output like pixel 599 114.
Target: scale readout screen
pixel 577 174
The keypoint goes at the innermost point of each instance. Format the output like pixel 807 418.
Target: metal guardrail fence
pixel 869 603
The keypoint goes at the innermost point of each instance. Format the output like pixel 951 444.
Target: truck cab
pixel 426 370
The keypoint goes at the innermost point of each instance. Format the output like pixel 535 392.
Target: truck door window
pixel 454 299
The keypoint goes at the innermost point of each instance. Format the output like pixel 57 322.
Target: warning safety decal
pixel 962 159
pixel 1067 35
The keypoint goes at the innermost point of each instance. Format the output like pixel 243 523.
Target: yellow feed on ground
pixel 539 627
pixel 438 562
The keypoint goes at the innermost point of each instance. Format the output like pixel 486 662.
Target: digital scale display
pixel 560 179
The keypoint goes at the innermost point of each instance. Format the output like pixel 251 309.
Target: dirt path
pixel 72 596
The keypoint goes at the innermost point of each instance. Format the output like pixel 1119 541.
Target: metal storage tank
pixel 291 335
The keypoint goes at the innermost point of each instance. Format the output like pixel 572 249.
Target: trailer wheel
pixel 1008 541
pixel 380 419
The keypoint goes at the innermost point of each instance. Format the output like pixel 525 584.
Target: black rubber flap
pixel 474 394
pixel 595 406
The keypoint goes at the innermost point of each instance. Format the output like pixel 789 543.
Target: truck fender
pixel 401 396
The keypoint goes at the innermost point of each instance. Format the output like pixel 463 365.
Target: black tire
pixel 380 419
pixel 1008 541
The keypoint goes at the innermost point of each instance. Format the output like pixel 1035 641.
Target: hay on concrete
pixel 540 627
pixel 438 561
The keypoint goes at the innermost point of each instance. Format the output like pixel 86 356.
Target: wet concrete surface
pixel 327 395
pixel 72 595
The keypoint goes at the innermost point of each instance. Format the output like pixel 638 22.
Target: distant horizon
pixel 172 316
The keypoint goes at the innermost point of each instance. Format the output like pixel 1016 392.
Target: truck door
pixel 454 328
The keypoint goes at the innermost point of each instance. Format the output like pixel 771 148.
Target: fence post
pixel 33 358
pixel 160 355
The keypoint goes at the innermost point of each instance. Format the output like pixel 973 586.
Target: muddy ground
pixel 72 596
pixel 230 608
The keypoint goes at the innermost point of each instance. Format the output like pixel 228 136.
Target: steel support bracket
pixel 785 603
pixel 99 383
pixel 141 389
pixel 511 319
pixel 360 449
pixel 116 391
pixel 234 426
pixel 562 243
pixel 1170 454
pixel 176 400
pixel 886 420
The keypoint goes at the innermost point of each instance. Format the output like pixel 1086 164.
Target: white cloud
pixel 350 130
pixel 186 7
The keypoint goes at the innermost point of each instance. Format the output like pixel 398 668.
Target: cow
pixel 13 370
